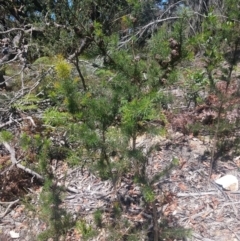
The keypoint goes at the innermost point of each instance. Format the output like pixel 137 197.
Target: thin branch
pixel 80 73
pixel 219 15
pixel 33 173
pixel 14 161
pixel 144 29
pixel 189 194
pixel 84 43
pixel 24 91
pixel 10 122
pixel 7 209
pixel 22 30
pixel 3 61
pixel 171 6
pixel 12 30
pixel 155 22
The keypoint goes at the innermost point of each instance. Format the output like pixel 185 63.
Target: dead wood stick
pixel 233 205
pixel 230 203
pixel 155 221
pixel 143 29
pixel 196 194
pixel 225 194
pixel 33 173
pixel 28 90
pixel 238 237
pixel 9 122
pixel 19 119
pixel 14 161
pixel 7 209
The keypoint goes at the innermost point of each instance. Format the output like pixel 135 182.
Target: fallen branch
pixel 10 122
pixel 14 161
pixel 33 173
pixel 6 61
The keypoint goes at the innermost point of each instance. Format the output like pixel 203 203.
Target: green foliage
pixel 28 142
pixel 148 194
pixel 195 128
pixel 5 136
pixel 116 140
pixel 177 233
pixel 84 135
pixel 136 112
pixel 58 221
pixel 104 73
pixel 85 230
pixel 44 60
pixel 54 117
pixel 97 215
pixel 125 94
pixel 173 77
pixel 44 156
pixel 3 69
pixel 196 81
pixel 69 90
pixel 136 4
pixel 198 78
pixel 28 102
pixel 75 158
pixel 116 210
pixel 159 43
pixel 98 29
pixel 214 43
pixel 174 163
pixel 63 68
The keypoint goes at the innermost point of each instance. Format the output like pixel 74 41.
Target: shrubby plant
pixel 105 77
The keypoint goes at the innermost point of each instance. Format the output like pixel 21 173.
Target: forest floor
pixel 192 200
pixel 186 195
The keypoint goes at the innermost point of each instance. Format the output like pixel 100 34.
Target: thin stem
pixel 80 74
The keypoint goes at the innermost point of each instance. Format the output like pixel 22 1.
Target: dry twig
pixel 33 173
pixel 7 209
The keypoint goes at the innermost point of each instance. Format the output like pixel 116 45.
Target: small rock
pixel 236 159
pixel 228 182
pixel 13 234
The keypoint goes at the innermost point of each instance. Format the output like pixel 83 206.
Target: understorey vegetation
pixel 82 81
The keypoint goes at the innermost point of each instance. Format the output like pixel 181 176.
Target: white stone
pixel 228 182
pixel 13 234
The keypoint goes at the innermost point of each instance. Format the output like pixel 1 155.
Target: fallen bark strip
pixel 195 194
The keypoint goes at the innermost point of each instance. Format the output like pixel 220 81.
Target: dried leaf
pixel 214 203
pixel 182 187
